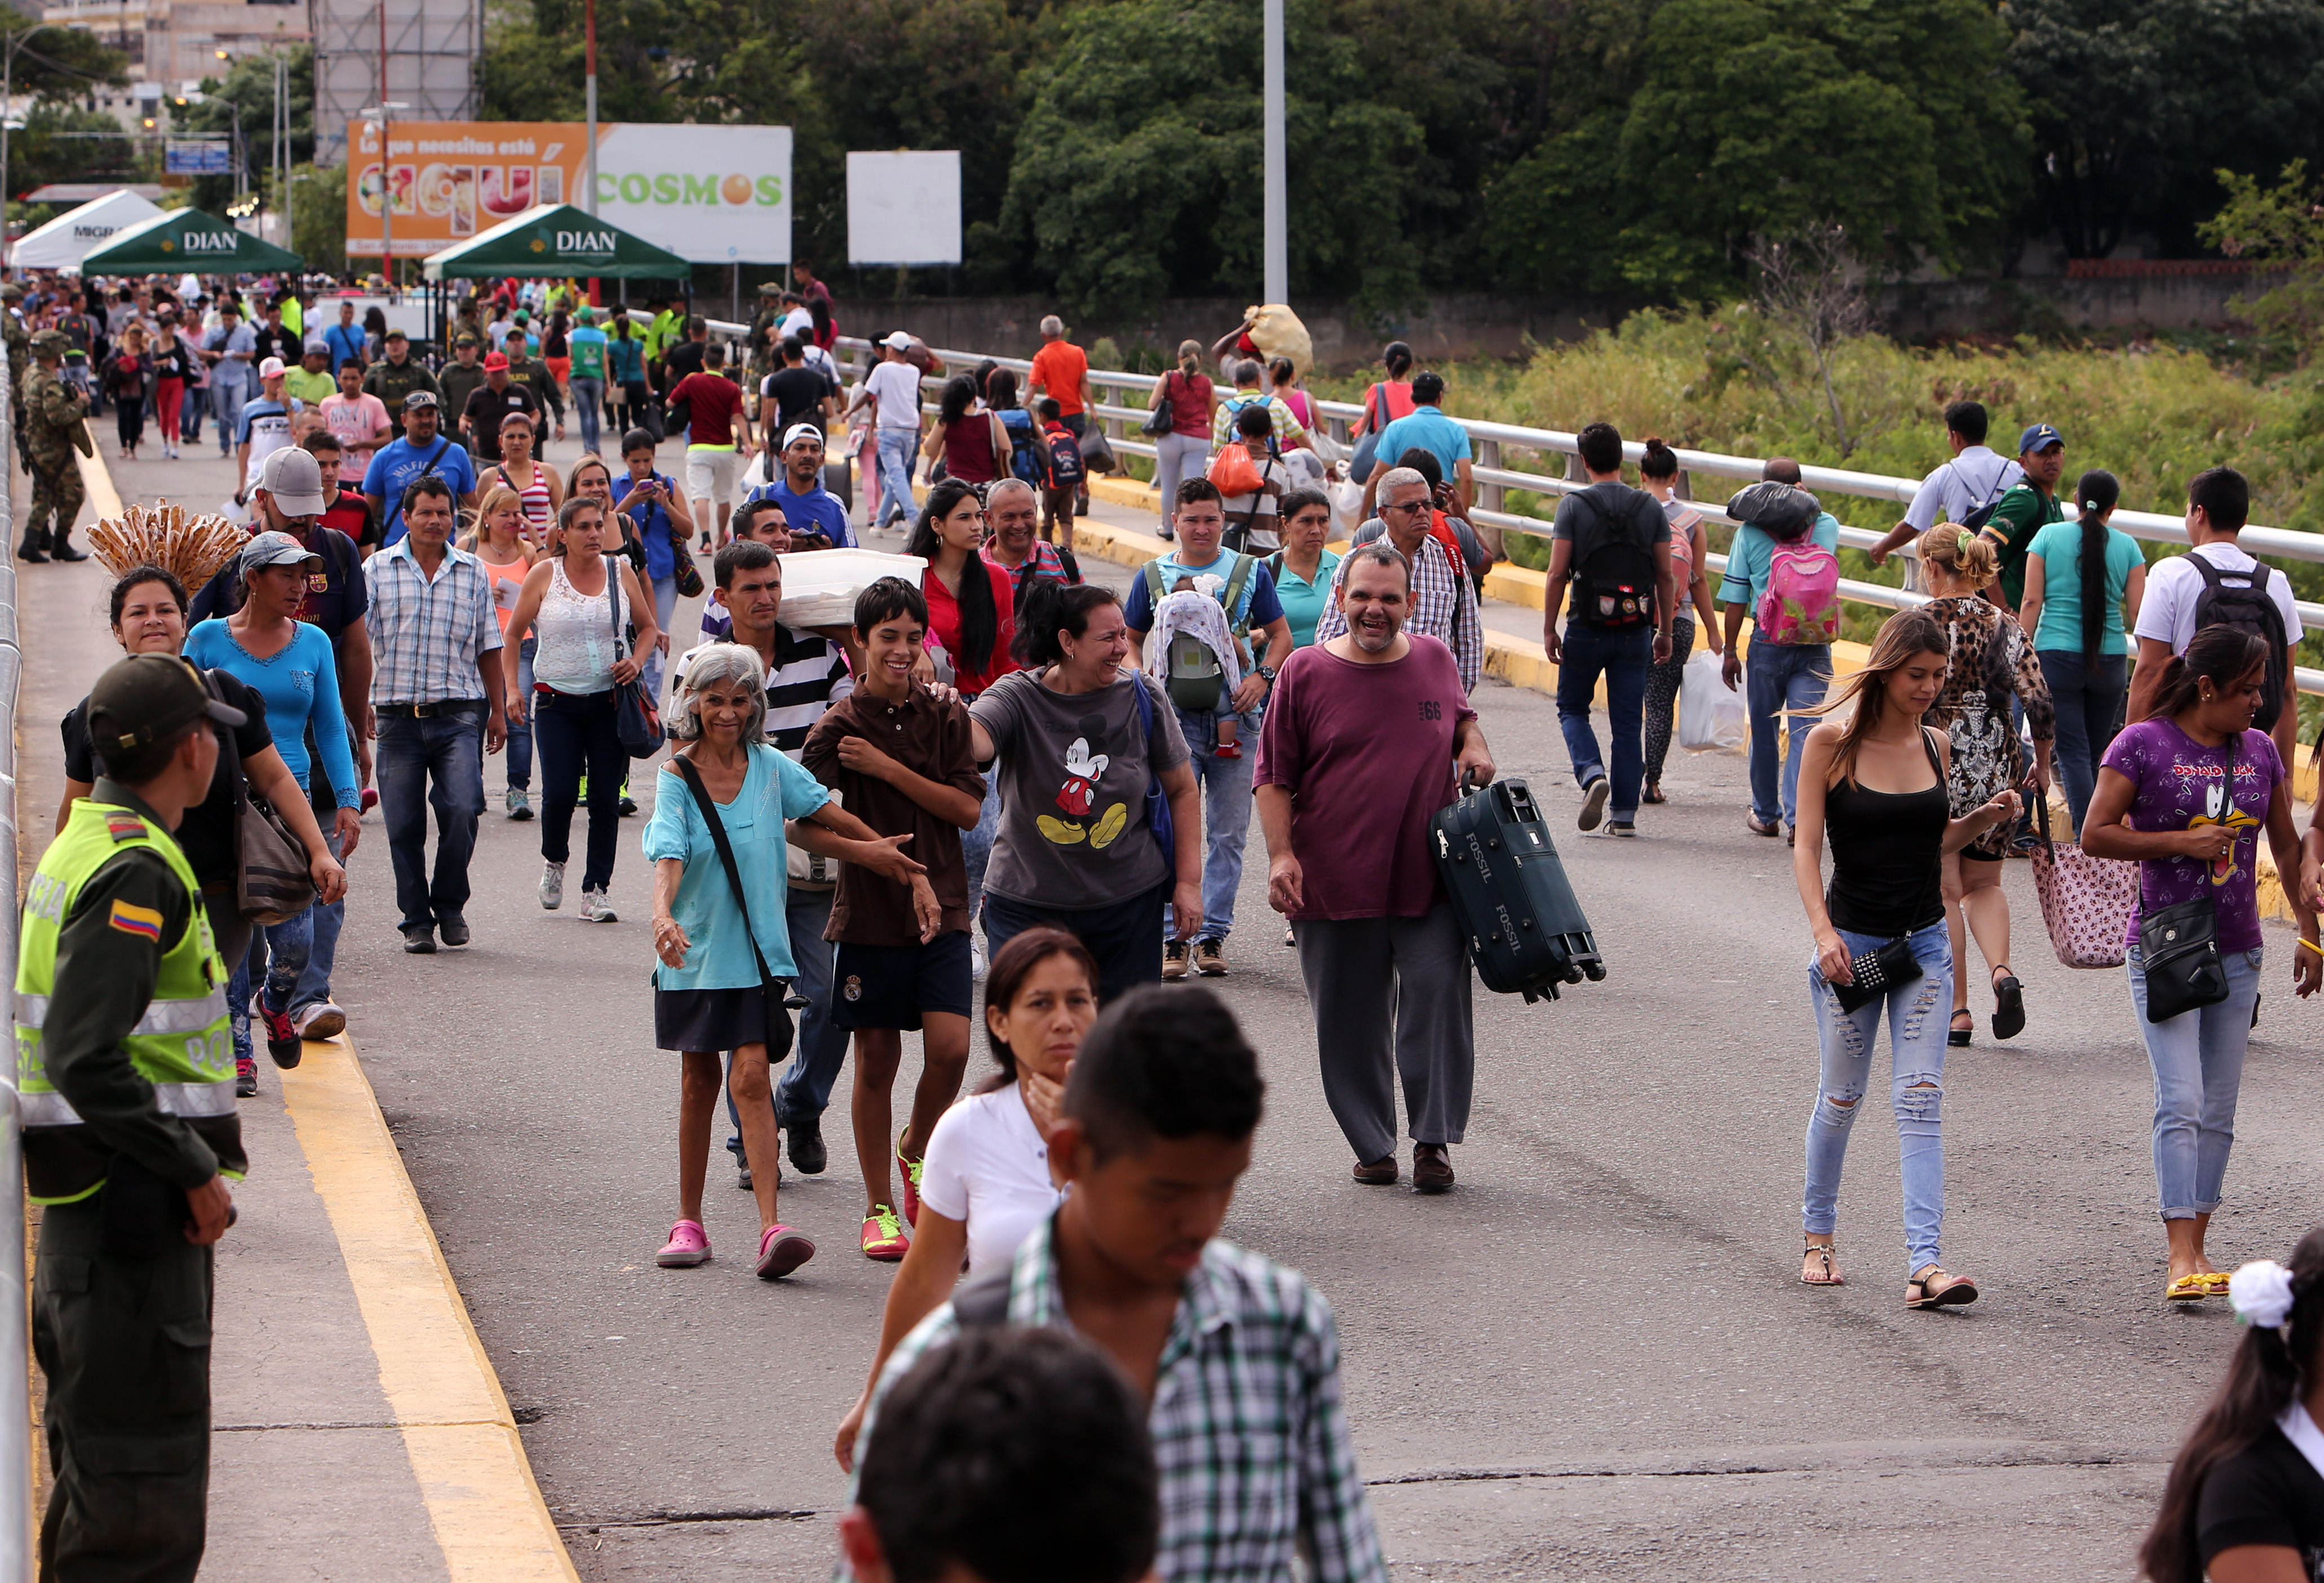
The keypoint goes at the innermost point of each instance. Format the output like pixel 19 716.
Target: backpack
pixel 1977 518
pixel 1025 457
pixel 1064 458
pixel 1195 682
pixel 2243 604
pixel 1801 607
pixel 1614 582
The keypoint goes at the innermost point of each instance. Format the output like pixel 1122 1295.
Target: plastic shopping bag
pixel 1709 713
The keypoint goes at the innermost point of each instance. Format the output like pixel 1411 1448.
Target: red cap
pixel 496 360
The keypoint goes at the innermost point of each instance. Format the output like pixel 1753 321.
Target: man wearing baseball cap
pixel 264 427
pixel 422 450
pixel 2027 508
pixel 807 506
pixel 893 390
pixel 398 374
pixel 490 402
pixel 130 1134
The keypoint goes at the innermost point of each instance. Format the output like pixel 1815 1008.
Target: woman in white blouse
pixel 986 1181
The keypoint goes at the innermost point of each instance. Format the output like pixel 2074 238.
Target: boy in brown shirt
pixel 902 762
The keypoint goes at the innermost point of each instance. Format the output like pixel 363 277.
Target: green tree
pixel 1138 169
pixel 1752 118
pixel 245 96
pixel 2281 225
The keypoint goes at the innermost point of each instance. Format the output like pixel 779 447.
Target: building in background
pixel 173 44
pixel 432 47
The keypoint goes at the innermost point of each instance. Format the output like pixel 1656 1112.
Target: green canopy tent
pixel 556 240
pixel 181 239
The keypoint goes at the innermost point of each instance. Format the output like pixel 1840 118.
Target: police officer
pixel 53 431
pixel 126 1069
pixel 398 374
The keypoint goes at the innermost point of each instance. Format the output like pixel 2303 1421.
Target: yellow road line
pixel 490 1521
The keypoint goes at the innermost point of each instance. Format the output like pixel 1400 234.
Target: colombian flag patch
pixel 131 919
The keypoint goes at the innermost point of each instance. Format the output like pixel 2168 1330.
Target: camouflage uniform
pixel 53 410
pixel 764 357
pixel 20 357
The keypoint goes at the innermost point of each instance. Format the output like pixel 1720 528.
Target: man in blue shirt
pixel 346 339
pixel 264 427
pixel 1426 427
pixel 807 506
pixel 1783 677
pixel 421 451
pixel 1199 519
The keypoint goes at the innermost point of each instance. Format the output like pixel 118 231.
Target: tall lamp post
pixel 589 91
pixel 1274 208
pixel 7 93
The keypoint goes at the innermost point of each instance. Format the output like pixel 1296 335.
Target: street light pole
pixel 1274 211
pixel 589 89
pixel 386 169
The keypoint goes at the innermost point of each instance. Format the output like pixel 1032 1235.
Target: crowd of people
pixel 994 771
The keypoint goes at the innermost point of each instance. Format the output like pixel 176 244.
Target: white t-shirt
pixel 896 386
pixel 798 322
pixel 1978 476
pixel 2167 614
pixel 987 1165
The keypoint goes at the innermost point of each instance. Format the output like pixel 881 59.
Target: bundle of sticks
pixel 191 546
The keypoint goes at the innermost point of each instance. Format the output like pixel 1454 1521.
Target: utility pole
pixel 1276 211
pixel 589 89
pixel 386 169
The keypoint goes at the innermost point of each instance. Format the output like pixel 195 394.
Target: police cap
pixel 151 698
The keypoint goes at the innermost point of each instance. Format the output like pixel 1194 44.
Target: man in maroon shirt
pixel 1366 738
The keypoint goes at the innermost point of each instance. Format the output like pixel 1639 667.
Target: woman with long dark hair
pixel 2185 794
pixel 1023 432
pixel 1186 451
pixel 2084 581
pixel 1875 776
pixel 2245 1502
pixel 967 436
pixel 970 611
pixel 987 1181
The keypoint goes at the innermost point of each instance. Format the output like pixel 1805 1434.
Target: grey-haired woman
pixel 710 993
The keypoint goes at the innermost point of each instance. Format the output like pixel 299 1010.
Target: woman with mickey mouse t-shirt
pixel 1073 748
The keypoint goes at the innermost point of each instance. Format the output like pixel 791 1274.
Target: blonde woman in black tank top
pixel 1875 777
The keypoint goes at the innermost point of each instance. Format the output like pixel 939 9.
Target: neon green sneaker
pixel 883 1235
pixel 911 1171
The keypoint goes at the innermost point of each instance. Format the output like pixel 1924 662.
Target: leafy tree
pixel 246 95
pixel 2135 104
pixel 1139 167
pixel 2281 225
pixel 1757 118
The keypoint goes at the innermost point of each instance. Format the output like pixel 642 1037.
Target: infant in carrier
pixel 1196 657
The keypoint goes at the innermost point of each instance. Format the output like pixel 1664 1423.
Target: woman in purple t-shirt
pixel 2185 792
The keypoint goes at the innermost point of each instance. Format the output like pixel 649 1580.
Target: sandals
pixel 1821 1253
pixel 1653 793
pixel 2188 1289
pixel 1932 1288
pixel 1958 1037
pixel 2008 1006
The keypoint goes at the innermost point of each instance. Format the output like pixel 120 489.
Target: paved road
pixel 1592 1359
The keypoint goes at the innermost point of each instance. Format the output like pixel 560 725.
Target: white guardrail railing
pixel 1502 448
pixel 16 1345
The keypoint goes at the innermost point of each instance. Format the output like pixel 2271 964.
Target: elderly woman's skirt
pixel 717 1019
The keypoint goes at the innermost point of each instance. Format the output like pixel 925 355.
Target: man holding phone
pixel 811 510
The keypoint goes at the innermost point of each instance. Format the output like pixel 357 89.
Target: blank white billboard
pixel 904 207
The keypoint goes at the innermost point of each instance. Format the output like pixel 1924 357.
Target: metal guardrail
pixel 16 1526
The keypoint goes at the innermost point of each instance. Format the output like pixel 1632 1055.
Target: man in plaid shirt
pixel 1443 599
pixel 1237 1357
pixel 436 691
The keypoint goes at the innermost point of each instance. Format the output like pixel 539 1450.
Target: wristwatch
pixel 1268 673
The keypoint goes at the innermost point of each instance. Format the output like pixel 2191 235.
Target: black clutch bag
pixel 2179 956
pixel 1874 973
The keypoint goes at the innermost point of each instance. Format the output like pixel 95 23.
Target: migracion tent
pixel 74 235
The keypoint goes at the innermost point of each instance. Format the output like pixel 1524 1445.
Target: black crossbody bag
pixel 2178 945
pixel 779 1022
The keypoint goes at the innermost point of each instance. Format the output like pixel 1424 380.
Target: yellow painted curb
pixel 104 499
pixel 1127 492
pixel 488 1513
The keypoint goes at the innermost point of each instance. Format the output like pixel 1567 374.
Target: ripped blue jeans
pixel 1917 1037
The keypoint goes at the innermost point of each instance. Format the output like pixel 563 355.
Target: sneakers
pixel 454 929
pixel 246 1076
pixel 323 1020
pixel 283 1046
pixel 781 1250
pixel 1173 960
pixel 1593 802
pixel 688 1246
pixel 552 886
pixel 909 1170
pixel 596 908
pixel 1211 957
pixel 1621 827
pixel 807 1153
pixel 976 960
pixel 518 803
pixel 883 1235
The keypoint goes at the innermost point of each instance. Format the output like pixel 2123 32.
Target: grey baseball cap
pixel 293 481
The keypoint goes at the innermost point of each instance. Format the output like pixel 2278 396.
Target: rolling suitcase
pixel 1526 929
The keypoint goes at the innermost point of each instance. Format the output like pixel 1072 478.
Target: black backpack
pixel 2240 599
pixel 1614 580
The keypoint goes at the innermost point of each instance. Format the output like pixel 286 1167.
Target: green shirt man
pixel 2028 508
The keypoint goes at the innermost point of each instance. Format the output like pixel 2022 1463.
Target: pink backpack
pixel 1801 604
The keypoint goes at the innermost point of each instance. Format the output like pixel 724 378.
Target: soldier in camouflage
pixel 53 415
pixel 19 354
pixel 772 310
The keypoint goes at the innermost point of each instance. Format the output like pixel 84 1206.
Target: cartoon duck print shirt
pixel 2181 784
pixel 1071 770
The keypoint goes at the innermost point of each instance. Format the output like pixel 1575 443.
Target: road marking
pixel 104 499
pixel 490 1521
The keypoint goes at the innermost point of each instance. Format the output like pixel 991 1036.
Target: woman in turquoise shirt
pixel 1303 567
pixel 2084 581
pixel 709 991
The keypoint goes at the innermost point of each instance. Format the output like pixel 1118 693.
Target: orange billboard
pixel 450 180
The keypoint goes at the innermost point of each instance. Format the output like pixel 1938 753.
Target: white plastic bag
pixel 1709 715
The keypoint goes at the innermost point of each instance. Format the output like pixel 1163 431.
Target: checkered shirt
pixel 1249 1435
pixel 426 637
pixel 1444 605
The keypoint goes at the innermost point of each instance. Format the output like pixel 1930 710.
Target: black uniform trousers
pixel 121 1325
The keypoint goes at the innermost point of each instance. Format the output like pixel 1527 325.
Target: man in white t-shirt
pixel 2217 501
pixel 893 387
pixel 1975 477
